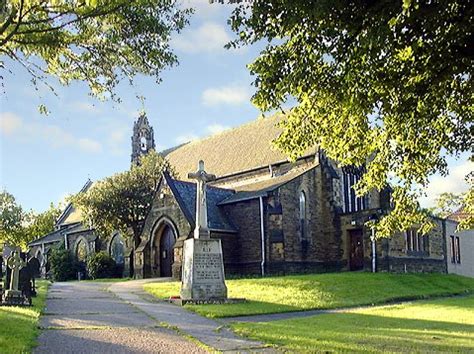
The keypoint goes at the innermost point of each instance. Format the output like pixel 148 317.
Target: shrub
pixel 101 265
pixel 63 266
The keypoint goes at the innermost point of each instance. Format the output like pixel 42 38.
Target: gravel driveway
pixel 83 317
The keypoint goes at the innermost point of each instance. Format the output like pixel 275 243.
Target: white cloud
pixel 10 123
pixel 233 95
pixel 82 106
pixel 89 145
pixel 15 127
pixel 216 128
pixel 209 37
pixel 452 183
pixel 186 138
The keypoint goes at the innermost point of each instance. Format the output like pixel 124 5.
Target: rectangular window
pixel 416 243
pixel 453 249
pixel 351 201
pixel 458 250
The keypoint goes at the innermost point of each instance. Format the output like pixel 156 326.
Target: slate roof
pixel 261 188
pixel 459 215
pixel 185 193
pixel 243 148
pixel 56 235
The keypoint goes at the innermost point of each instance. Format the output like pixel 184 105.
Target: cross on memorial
pixel 201 230
pixel 15 263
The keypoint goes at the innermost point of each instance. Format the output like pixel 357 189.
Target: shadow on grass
pixel 362 332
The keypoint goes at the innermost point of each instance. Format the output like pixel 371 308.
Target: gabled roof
pixel 185 194
pixel 243 148
pixel 70 215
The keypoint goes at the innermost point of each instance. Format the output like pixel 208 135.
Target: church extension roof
pixel 185 193
pixel 243 148
pixel 56 235
pixel 261 188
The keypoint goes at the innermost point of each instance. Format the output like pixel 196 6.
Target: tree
pixel 12 221
pixel 122 201
pixel 448 203
pixel 383 85
pixel 96 41
pixel 19 227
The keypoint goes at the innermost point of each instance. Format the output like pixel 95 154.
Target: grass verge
pixel 322 291
pixel 19 325
pixel 442 325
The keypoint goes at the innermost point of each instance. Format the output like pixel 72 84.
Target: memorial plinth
pixel 203 271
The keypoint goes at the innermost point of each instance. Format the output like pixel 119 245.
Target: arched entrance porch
pixel 162 249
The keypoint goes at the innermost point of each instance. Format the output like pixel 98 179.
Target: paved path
pixel 82 317
pixel 206 330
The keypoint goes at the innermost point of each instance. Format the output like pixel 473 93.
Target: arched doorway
pixel 163 250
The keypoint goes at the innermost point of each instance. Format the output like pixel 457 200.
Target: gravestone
pixel 13 295
pixel 1 278
pixel 34 271
pixel 203 266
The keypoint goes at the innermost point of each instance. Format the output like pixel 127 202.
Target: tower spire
pixel 142 139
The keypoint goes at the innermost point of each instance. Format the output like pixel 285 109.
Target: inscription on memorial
pixel 207 266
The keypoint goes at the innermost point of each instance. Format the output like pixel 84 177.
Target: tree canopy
pixel 19 227
pixel 379 84
pixel 97 41
pixel 122 201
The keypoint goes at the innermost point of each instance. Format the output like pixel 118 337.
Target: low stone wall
pixel 412 265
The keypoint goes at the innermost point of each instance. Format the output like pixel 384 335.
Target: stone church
pixel 273 216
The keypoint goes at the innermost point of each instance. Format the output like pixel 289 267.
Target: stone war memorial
pixel 203 269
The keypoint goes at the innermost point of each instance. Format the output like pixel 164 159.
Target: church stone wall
pixel 319 249
pixel 401 260
pixel 247 250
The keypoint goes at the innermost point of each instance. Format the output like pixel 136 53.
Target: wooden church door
pixel 166 252
pixel 356 261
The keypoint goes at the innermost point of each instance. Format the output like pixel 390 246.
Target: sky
pixel 45 158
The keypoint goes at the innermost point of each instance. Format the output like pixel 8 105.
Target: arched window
pixel 303 214
pixel 81 251
pixel 143 143
pixel 39 256
pixel 117 249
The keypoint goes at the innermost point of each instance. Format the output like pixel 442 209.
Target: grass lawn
pixel 445 325
pixel 322 291
pixel 19 325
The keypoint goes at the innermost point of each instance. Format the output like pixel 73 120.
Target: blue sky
pixel 45 158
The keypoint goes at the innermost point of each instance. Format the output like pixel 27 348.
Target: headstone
pixel 203 266
pixel 34 268
pixel 1 278
pixel 14 296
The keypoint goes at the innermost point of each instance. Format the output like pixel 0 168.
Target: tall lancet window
pixel 303 215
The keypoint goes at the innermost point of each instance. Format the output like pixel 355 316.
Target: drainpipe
pixel 374 255
pixel 65 242
pixel 262 233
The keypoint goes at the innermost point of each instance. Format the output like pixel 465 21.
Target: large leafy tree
pixel 12 221
pixel 19 227
pixel 96 41
pixel 122 201
pixel 42 223
pixel 382 84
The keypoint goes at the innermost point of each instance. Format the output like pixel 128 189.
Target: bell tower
pixel 142 138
